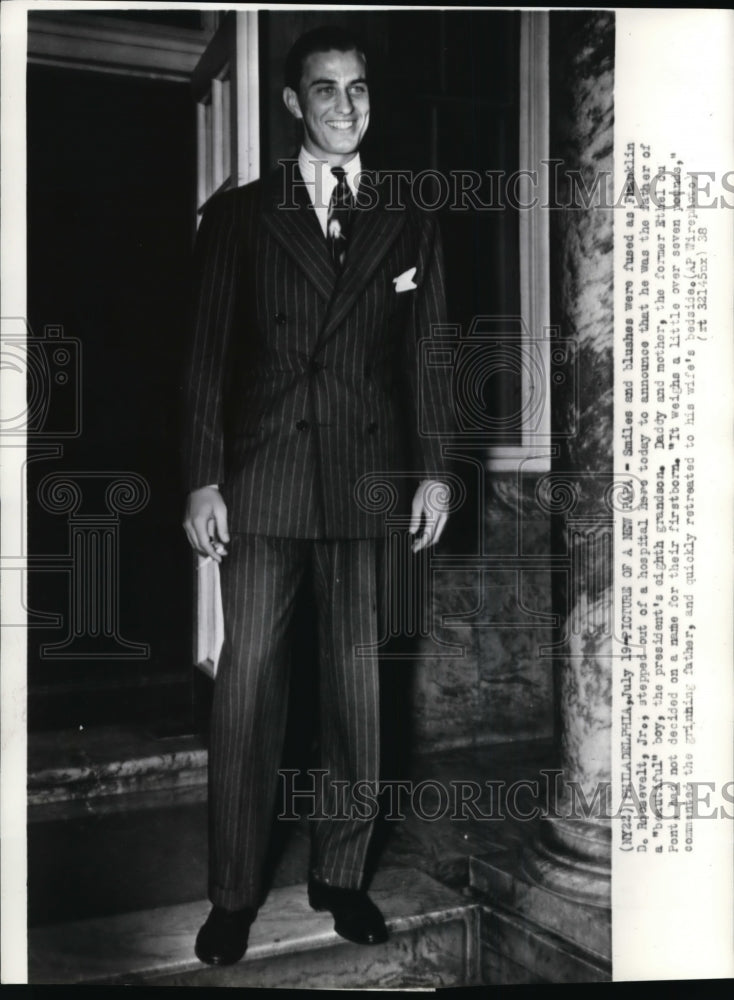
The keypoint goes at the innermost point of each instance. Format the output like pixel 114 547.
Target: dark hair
pixel 318 40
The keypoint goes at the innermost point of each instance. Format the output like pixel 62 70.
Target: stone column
pixel 572 854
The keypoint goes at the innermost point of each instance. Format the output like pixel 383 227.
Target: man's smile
pixel 341 126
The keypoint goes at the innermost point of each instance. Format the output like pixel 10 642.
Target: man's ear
pixel 290 99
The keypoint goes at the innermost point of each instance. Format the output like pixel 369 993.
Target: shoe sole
pixel 217 959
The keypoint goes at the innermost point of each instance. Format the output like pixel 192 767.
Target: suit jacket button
pixel 302 425
pixel 371 428
pixel 315 366
pixel 280 318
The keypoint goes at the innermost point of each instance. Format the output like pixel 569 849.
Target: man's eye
pixel 326 90
pixel 359 88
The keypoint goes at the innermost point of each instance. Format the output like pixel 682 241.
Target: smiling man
pixel 305 404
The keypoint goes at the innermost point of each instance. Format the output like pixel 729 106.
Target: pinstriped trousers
pixel 260 578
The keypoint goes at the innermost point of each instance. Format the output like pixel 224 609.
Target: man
pixel 304 396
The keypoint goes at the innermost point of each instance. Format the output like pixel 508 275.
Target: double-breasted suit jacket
pixel 302 381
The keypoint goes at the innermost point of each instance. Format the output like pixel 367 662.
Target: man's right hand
pixel 205 522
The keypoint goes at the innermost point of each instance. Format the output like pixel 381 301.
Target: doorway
pixel 110 191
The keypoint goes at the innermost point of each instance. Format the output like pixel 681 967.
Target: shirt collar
pixel 319 179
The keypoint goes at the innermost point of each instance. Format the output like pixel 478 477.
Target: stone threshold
pixel 434 942
pixel 74 766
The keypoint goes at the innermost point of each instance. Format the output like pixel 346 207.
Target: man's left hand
pixel 429 511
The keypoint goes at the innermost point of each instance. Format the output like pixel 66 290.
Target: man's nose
pixel 344 103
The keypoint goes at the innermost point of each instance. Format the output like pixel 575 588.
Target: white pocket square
pixel 404 282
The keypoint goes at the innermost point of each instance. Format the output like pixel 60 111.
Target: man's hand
pixel 205 522
pixel 429 508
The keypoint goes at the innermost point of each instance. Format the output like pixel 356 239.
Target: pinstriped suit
pixel 301 382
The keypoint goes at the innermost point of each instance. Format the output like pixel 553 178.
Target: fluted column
pixel 573 852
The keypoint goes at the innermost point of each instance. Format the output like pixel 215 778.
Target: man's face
pixel 334 104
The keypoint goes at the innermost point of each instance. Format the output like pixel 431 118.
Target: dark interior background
pixel 111 197
pixel 111 164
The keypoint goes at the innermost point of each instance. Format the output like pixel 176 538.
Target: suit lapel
pixel 290 217
pixel 374 231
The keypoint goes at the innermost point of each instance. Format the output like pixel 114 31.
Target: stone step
pixel 71 767
pixel 434 942
pixel 552 936
pixel 516 951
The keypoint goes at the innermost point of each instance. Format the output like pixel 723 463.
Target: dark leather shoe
pixel 222 939
pixel 356 917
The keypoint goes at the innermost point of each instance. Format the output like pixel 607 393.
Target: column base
pixel 571 857
pixel 534 929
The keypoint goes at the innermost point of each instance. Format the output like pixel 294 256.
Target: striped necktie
pixel 337 219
